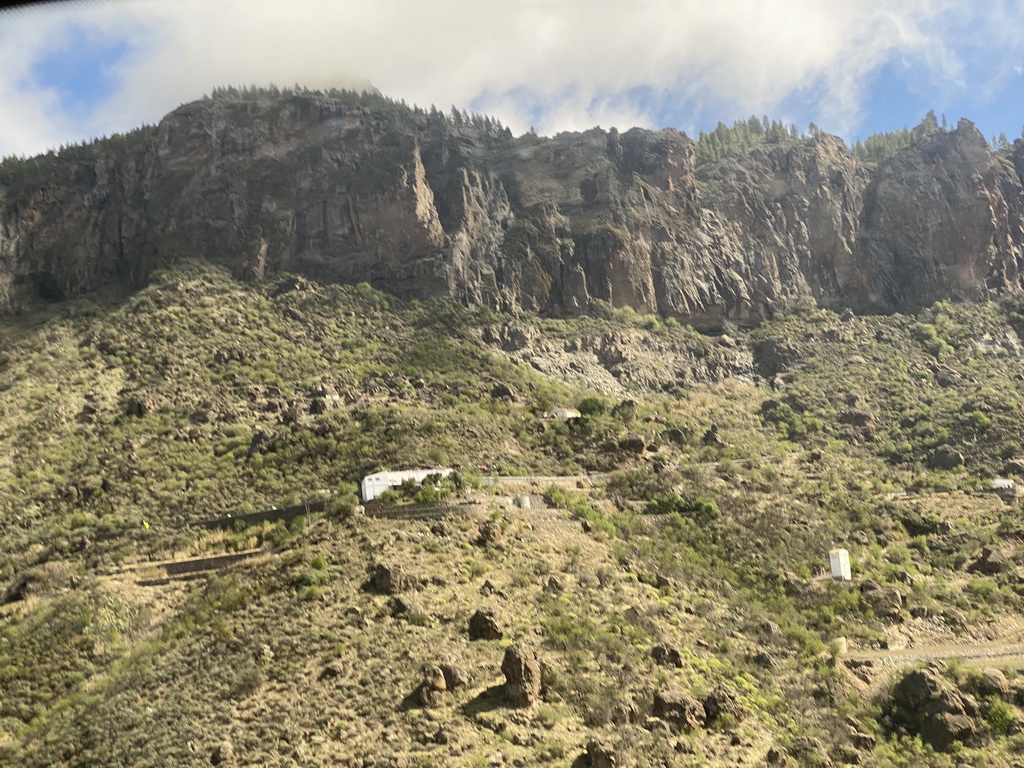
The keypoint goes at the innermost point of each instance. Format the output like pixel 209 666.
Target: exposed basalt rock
pixel 490 533
pixel 483 625
pixel 679 709
pixel 667 656
pixel 723 702
pixel 431 690
pixel 521 668
pixel 946 457
pixel 350 188
pixel 389 579
pixel 600 755
pixel 886 601
pixel 923 703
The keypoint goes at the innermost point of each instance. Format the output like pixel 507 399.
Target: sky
pixel 71 71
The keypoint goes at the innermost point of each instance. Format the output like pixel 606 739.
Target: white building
pixel 564 414
pixel 1005 489
pixel 840 561
pixel 374 485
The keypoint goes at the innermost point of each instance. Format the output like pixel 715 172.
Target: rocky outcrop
pixel 679 709
pixel 483 625
pixel 923 703
pixel 600 755
pixel 431 691
pixel 390 579
pixel 521 667
pixel 356 188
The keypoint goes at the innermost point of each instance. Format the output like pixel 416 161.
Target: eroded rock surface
pixel 341 187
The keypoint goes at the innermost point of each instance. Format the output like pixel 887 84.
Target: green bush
pixel 592 406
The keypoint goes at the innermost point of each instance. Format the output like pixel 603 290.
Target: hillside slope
pixel 672 582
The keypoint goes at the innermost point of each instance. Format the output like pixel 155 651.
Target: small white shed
pixel 563 414
pixel 839 559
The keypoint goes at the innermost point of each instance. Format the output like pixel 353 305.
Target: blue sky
pixel 71 71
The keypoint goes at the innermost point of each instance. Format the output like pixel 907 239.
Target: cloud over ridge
pixel 552 64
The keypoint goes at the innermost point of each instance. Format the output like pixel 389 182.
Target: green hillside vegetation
pixel 692 559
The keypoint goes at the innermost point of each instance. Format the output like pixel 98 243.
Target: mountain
pixel 199 363
pixel 357 188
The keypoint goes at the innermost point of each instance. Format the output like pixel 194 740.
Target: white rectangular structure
pixel 840 561
pixel 374 485
pixel 563 414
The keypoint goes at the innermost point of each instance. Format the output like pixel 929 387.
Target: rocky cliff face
pixel 358 189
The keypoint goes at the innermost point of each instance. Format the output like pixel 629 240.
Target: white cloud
pixel 556 64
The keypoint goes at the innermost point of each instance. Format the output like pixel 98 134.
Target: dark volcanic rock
pixel 432 689
pixel 679 709
pixel 925 704
pixel 887 602
pixel 521 668
pixel 667 656
pixel 723 702
pixel 483 625
pixel 422 206
pixel 390 579
pixel 490 532
pixel 600 755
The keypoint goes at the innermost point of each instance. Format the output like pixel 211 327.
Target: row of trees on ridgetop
pixel 744 135
pixel 741 137
pixel 369 98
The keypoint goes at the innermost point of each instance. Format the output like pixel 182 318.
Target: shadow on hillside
pixel 487 700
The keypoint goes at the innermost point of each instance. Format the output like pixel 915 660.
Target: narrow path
pixel 967 652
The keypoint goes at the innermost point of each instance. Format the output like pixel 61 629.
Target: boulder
pixel 454 675
pixel 723 702
pixel 521 667
pixel 990 682
pixel 390 579
pixel 403 606
pixel 554 586
pixel 504 392
pixel 223 754
pixel 674 435
pixel 632 444
pixel 923 703
pixel 679 709
pixel 332 671
pixel 711 437
pixel 600 755
pixel 774 356
pixel 887 602
pixel 858 737
pixel 667 656
pixel 765 660
pixel 140 405
pixel 483 625
pixel 431 690
pixel 490 532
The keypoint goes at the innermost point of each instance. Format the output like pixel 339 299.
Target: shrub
pixel 1000 716
pixel 701 508
pixel 592 406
